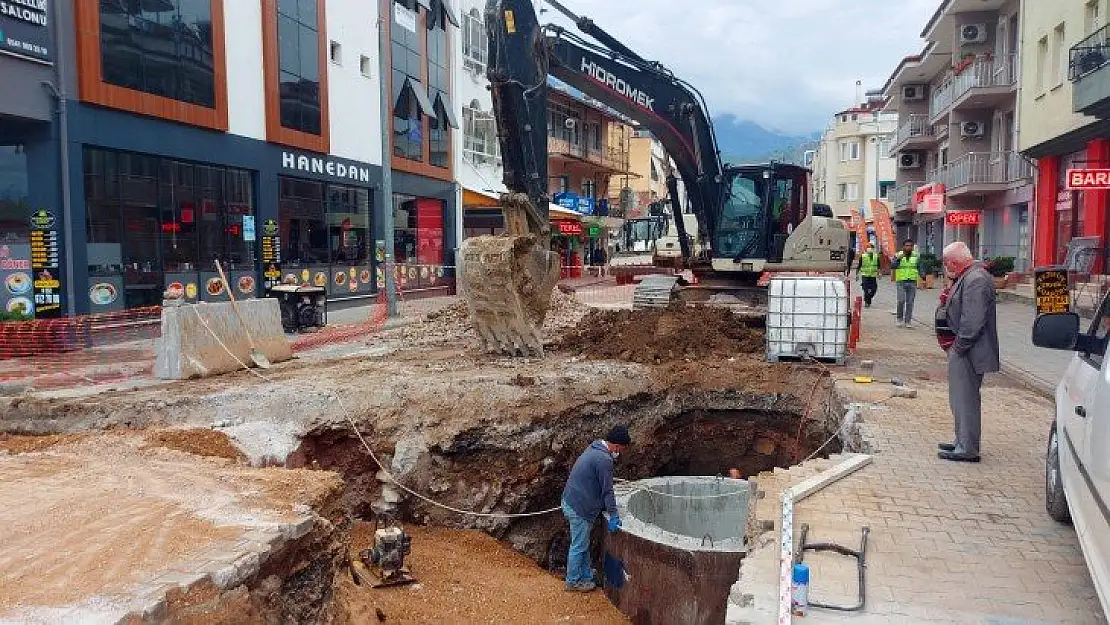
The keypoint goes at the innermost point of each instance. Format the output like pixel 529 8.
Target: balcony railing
pixel 941 98
pixel 606 156
pixel 983 168
pixel 915 126
pixel 1089 55
pixel 901 195
pixel 986 72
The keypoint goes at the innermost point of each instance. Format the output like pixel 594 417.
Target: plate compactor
pixel 384 563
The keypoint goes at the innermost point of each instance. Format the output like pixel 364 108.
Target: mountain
pixel 743 141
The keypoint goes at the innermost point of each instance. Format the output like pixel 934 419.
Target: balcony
pixel 986 83
pixel 1089 72
pixel 611 159
pixel 901 196
pixel 983 173
pixel 940 99
pixel 914 133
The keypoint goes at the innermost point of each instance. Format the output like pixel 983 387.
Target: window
pixel 299 65
pixel 364 65
pixel 1059 56
pixel 1100 329
pixel 853 191
pixel 480 145
pixel 1042 64
pixel 654 171
pixel 849 151
pixel 419 240
pixel 325 235
pixel 1092 19
pixel 589 188
pixel 884 147
pixel 842 192
pixel 885 188
pixel 153 222
pixel 408 92
pixel 474 42
pixel 335 50
pixel 15 207
pixel 162 48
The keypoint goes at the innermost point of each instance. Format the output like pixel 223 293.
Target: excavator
pixel 753 220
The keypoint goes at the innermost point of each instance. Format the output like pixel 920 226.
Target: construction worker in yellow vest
pixel 867 270
pixel 905 279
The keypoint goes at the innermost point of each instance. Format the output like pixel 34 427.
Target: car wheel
pixel 1055 501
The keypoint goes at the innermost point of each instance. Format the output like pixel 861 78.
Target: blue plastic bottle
pixel 799 590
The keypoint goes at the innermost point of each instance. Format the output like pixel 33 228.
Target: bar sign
pixel 1088 179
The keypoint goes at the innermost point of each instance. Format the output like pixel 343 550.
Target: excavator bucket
pixel 507 283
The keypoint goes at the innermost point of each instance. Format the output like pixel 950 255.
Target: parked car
pixel 1077 466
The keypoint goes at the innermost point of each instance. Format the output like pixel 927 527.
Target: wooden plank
pixel 814 484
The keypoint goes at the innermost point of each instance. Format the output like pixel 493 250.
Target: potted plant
pixel 929 267
pixel 998 267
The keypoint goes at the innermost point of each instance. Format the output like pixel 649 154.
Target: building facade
pixel 155 138
pixel 853 164
pixel 960 176
pixel 1064 106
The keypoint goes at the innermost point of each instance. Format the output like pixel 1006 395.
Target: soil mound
pixel 655 336
pixel 199 442
pixel 452 323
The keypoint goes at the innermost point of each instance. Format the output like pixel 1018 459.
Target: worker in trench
pixel 589 491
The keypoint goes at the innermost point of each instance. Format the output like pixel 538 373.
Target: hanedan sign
pixel 25 29
pixel 324 166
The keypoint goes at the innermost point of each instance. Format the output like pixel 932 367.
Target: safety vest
pixel 869 265
pixel 907 268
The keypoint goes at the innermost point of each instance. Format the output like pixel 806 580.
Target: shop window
pixel 419 241
pixel 299 65
pixel 325 234
pixel 163 48
pixel 154 224
pixel 15 208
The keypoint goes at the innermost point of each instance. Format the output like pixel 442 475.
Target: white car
pixel 1077 467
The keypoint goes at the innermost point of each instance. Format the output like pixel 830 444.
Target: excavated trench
pixel 522 467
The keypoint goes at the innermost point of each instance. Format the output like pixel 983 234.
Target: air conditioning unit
pixel 970 130
pixel 909 160
pixel 973 33
pixel 913 93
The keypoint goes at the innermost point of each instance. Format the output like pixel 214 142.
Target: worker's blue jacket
pixel 589 488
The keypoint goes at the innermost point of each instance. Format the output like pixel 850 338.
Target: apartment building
pixel 853 163
pixel 633 194
pixel 960 176
pixel 1064 108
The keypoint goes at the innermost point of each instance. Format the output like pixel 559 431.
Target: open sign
pixel 963 218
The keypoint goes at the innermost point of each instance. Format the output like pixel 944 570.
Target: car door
pixel 1086 446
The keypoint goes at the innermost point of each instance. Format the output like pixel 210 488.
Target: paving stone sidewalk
pixel 949 543
pixel 1035 366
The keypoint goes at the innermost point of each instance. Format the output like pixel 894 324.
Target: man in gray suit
pixel 971 316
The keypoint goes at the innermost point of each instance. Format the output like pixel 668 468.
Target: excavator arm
pixel 507 281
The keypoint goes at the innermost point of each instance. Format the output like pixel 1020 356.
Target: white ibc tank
pixel 808 315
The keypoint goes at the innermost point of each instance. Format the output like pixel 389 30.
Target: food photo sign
pixel 16 295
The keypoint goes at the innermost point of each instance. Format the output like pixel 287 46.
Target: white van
pixel 1077 467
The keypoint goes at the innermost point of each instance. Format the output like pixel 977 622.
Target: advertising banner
pixel 884 228
pixel 25 29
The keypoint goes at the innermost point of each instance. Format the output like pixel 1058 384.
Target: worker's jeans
pixel 907 292
pixel 578 557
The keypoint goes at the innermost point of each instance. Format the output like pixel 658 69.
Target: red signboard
pixel 932 204
pixel 1082 179
pixel 963 218
pixel 570 228
pixel 884 228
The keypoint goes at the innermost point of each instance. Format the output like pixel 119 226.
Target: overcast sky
pixel 784 64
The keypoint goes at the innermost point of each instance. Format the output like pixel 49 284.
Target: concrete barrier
pixel 188 349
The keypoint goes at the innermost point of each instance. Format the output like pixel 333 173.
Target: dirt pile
pixel 196 441
pixel 451 324
pixel 468 577
pixel 657 336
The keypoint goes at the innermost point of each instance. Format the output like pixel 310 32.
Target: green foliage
pixel 999 266
pixel 929 265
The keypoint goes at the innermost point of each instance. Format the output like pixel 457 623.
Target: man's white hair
pixel 958 251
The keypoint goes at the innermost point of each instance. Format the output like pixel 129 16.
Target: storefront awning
pixel 558 212
pixel 474 199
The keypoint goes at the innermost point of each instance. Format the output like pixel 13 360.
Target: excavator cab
pixel 763 205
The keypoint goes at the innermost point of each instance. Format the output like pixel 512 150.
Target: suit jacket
pixel 972 316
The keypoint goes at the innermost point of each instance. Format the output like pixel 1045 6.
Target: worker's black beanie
pixel 619 435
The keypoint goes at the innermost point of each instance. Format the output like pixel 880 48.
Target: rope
pixel 429 500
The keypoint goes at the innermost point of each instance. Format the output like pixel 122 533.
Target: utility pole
pixel 387 158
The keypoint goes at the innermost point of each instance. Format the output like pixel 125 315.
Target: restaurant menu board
pixel 45 265
pixel 271 254
pixel 16 295
pixel 1050 286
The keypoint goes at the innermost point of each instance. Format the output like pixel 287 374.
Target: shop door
pixel 1022 261
pixel 142 266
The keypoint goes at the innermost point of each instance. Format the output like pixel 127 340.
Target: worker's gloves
pixel 614 523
